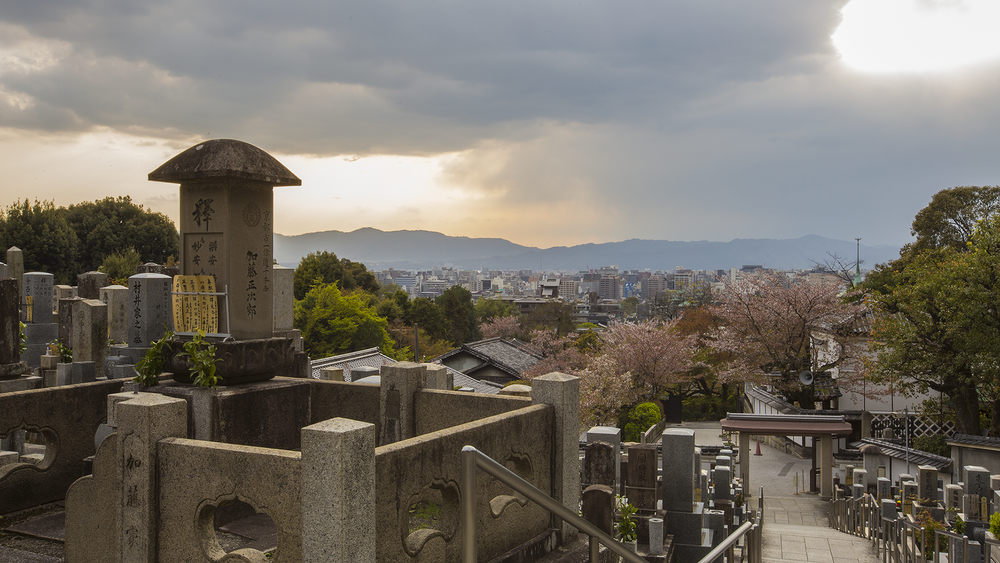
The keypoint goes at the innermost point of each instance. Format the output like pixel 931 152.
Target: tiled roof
pixel 973 440
pixel 916 457
pixel 505 354
pixel 371 357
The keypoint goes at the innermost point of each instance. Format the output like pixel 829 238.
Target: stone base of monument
pixel 268 414
pixel 691 539
pixel 642 523
pixel 22 383
pixel 37 337
pixel 240 361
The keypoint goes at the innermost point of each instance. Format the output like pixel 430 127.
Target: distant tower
pixel 857 271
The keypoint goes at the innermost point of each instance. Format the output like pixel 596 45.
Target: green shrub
pixel 933 444
pixel 119 266
pixel 711 407
pixel 995 524
pixel 638 420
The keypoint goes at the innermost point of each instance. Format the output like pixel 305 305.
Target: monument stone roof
pixel 224 158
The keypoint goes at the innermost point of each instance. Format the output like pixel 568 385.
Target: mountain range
pixel 422 250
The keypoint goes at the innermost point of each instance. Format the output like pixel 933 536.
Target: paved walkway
pixel 795 525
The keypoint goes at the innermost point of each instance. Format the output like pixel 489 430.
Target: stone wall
pixel 427 469
pixel 356 401
pixel 443 409
pixel 67 417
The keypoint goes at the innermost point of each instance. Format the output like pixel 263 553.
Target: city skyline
pixel 544 124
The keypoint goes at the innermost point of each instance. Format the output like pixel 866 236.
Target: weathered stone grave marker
pixel 226 225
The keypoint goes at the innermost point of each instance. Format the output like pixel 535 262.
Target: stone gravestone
pixel 910 491
pixel 66 309
pixel 15 267
pixel 116 298
pixel 642 466
pixel 284 297
pixel 953 497
pixel 89 284
pixel 90 334
pixel 612 436
pixel 884 488
pixel 39 329
pixel 977 487
pixel 149 268
pixel 599 461
pixel 10 332
pixel 861 478
pixel 3 270
pixel 60 292
pixel 927 484
pixel 226 225
pixel 599 507
pixel 678 469
pixel 150 314
pixel 722 479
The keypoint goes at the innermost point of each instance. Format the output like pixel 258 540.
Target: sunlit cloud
pixel 918 35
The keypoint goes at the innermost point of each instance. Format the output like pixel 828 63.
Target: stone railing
pixel 65 418
pixel 154 493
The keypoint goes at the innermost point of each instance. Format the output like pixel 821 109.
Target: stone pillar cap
pixel 224 158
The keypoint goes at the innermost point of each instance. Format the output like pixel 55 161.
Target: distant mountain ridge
pixel 421 250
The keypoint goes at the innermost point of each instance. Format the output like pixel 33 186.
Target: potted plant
pixel 151 365
pixel 626 527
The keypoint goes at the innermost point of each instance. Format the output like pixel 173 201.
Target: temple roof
pixel 224 158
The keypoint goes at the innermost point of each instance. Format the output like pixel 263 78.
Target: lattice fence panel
pixel 917 426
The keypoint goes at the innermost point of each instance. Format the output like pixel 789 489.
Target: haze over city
pixel 553 123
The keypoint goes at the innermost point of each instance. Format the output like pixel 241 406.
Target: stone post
pixel 678 465
pixel 400 383
pixel 66 310
pixel 562 391
pixel 438 377
pixel 745 462
pixel 150 308
pixel 338 491
pixel 142 422
pixel 3 270
pixel 15 267
pixel 826 467
pixel 116 298
pixel 88 285
pixel 331 374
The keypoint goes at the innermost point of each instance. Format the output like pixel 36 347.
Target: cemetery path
pixel 795 525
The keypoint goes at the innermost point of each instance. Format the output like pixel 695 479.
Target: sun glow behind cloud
pixel 918 35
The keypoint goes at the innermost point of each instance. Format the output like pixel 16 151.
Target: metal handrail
pixel 750 529
pixel 473 459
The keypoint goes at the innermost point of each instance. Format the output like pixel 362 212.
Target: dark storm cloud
pixel 407 76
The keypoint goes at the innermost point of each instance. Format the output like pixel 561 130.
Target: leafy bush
pixel 638 420
pixel 934 444
pixel 120 265
pixel 995 524
pixel 711 407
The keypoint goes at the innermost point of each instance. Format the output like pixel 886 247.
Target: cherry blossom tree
pixel 768 323
pixel 504 327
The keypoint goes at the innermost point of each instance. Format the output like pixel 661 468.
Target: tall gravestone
pixel 226 225
pixel 10 332
pixel 36 312
pixel 15 266
pixel 678 469
pixel 116 298
pixel 3 270
pixel 66 308
pixel 642 466
pixel 90 334
pixel 150 315
pixel 927 483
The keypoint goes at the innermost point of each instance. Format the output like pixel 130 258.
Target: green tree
pixel 119 266
pixel 42 232
pixel 334 323
pixel 487 309
pixel 950 219
pixel 429 317
pixel 325 267
pixel 456 305
pixel 630 306
pixel 115 223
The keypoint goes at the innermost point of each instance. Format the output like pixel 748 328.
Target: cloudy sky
pixel 543 122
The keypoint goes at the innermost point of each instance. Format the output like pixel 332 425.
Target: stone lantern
pixel 227 226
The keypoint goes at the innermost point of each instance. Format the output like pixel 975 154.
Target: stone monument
pixel 226 226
